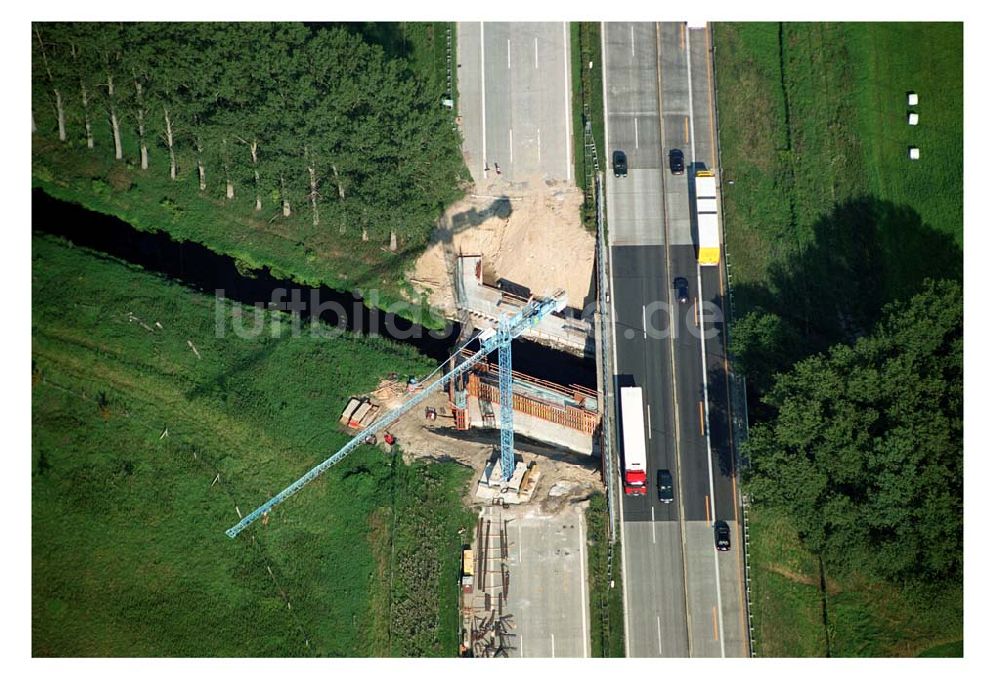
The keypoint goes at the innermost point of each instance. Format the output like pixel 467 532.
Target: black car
pixel 620 163
pixel 721 535
pixel 681 287
pixel 676 157
pixel 664 486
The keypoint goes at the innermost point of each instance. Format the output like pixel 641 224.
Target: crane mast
pixel 509 328
pixel 506 400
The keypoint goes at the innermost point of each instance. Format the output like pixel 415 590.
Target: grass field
pixel 607 614
pixel 946 650
pixel 865 618
pixel 814 138
pixel 143 451
pixel 826 221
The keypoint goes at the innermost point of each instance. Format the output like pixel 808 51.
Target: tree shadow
pixel 500 208
pixel 864 254
pixel 720 420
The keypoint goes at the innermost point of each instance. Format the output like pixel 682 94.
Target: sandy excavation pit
pixel 528 233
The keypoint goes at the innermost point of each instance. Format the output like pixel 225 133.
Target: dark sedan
pixel 676 158
pixel 664 486
pixel 620 163
pixel 721 535
pixel 681 288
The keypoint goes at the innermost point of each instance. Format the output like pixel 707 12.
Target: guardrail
pixel 591 166
pixel 737 385
pixel 609 426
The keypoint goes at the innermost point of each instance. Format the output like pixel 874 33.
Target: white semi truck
pixel 633 441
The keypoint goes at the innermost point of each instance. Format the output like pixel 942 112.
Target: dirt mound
pixel 528 233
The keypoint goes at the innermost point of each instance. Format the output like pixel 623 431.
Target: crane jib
pixel 528 317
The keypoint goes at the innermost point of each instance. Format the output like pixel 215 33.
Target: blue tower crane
pixel 506 400
pixel 508 329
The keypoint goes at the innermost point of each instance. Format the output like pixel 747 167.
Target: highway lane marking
pixel 711 100
pixel 632 30
pixel 482 85
pixel 644 322
pixel 708 511
pixel 568 123
pixel 538 143
pixel 583 589
pixel 641 113
pixel 701 417
pixel 649 424
pixel 715 625
pixel 687 121
pixel 659 635
pixel 636 120
pixel 708 452
pixel 680 30
pixel 687 52
pixel 697 312
pixel 673 372
pixel 536 52
pixel 508 53
pixel 553 644
pixel 652 523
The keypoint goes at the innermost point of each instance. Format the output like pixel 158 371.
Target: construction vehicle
pixel 707 202
pixel 633 441
pixel 508 328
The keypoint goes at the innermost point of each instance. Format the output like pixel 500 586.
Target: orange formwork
pixel 572 417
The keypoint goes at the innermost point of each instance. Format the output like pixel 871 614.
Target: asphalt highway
pixel 683 598
pixel 515 99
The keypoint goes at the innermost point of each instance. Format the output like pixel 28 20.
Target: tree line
pixel 864 452
pixel 289 117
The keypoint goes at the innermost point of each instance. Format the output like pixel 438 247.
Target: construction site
pixel 526 564
pixel 520 268
pixel 496 253
pixel 510 261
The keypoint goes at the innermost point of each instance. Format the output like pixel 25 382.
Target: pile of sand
pixel 528 233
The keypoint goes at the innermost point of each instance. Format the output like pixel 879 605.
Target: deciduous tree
pixel 865 454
